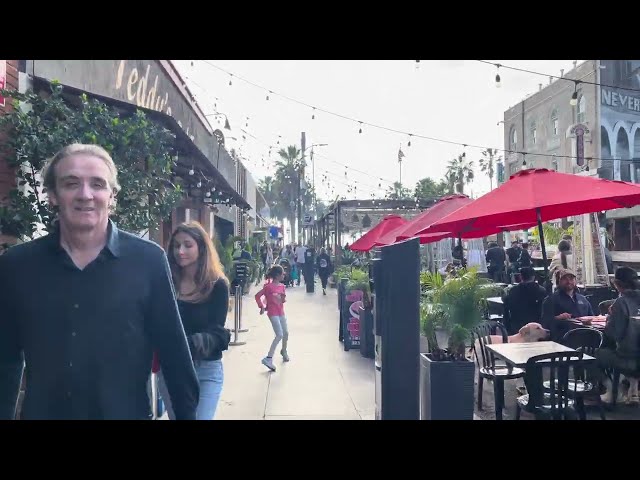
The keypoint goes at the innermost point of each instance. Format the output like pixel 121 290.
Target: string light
pixel 574 98
pixel 192 171
pixel 410 135
pixel 417 64
pixel 230 79
pixel 208 194
pixel 498 84
pixel 313 115
pixel 199 184
pixel 360 131
pixel 268 95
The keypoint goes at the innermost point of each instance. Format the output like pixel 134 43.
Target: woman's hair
pixel 627 279
pixel 209 268
pixel 274 272
pixel 564 247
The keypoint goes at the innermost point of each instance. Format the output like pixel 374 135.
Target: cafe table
pixel 517 354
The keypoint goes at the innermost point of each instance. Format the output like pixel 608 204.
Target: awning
pixel 183 142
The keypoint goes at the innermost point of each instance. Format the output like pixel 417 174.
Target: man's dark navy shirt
pixel 88 335
pixel 559 303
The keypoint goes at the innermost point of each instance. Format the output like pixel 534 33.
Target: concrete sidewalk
pixel 321 381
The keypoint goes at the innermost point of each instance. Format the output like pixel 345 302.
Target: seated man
pixel 523 302
pixel 564 304
pixel 623 327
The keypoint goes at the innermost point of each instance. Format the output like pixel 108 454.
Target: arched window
pixel 534 132
pixel 514 138
pixel 582 109
pixel 554 122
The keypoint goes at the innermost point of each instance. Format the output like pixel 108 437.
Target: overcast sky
pixel 454 100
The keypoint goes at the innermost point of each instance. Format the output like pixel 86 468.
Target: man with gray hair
pixel 87 305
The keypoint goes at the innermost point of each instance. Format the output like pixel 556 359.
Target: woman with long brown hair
pixel 202 290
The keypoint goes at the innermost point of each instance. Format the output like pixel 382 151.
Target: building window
pixel 582 108
pixel 514 138
pixel 534 133
pixel 554 122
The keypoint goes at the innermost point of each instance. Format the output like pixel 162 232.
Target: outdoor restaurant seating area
pixel 522 370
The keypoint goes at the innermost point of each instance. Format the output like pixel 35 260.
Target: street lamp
pixel 313 172
pixel 226 119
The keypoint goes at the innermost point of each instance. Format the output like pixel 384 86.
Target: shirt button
pixel 76 306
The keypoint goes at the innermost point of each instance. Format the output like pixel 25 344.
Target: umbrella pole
pixel 462 262
pixel 547 283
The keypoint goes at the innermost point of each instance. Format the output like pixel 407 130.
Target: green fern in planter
pixel 462 300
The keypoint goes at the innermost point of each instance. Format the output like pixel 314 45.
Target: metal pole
pixel 240 329
pixel 154 395
pixel 236 318
pixel 547 282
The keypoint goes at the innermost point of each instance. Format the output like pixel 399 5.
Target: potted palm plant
pixel 457 305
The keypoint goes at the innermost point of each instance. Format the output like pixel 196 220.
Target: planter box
pixel 446 389
pixel 441 336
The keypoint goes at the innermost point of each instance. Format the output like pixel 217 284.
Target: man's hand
pixel 563 316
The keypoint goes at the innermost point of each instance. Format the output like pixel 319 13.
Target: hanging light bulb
pixel 574 98
pixel 410 135
pixel 417 64
pixel 268 94
pixel 208 194
pixel 313 115
pixel 524 160
pixel 192 63
pixel 192 171
pixel 199 184
pixel 360 131
pixel 498 83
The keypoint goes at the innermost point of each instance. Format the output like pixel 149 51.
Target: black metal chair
pixel 603 307
pixel 487 367
pixel 587 341
pixel 549 403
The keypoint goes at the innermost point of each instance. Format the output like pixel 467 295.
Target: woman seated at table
pixel 624 330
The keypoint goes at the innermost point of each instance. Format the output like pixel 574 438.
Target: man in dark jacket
pixel 324 268
pixel 623 327
pixel 566 303
pixel 495 261
pixel 86 306
pixel 523 302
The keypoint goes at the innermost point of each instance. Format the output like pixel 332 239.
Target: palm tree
pixel 398 192
pixel 488 163
pixel 461 172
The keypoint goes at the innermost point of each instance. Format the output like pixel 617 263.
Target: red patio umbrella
pixel 368 240
pixel 444 207
pixel 536 196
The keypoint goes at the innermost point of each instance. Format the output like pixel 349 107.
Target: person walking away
pixel 203 299
pixel 324 268
pixel 300 254
pixel 524 257
pixel 275 296
pixel 523 302
pixel 495 257
pixel 560 261
pixel 105 302
pixel 623 332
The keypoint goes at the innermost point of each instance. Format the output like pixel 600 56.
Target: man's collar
pixel 113 239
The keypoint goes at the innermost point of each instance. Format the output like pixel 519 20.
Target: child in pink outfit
pixel 274 293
